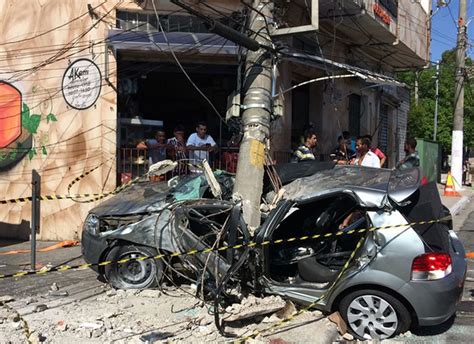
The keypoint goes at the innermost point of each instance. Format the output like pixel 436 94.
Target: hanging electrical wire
pixel 182 68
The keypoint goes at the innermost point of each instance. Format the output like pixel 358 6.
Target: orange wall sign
pixel 381 13
pixel 10 114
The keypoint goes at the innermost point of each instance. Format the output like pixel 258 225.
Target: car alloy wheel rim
pixel 371 317
pixel 135 272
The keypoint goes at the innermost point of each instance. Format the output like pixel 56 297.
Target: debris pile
pixel 12 326
pixel 104 315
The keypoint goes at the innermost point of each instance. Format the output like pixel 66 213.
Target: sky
pixel 444 28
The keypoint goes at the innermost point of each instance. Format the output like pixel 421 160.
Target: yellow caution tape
pixel 312 305
pixel 221 249
pixel 74 197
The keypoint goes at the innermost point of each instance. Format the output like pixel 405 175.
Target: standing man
pixel 177 150
pixel 177 144
pixel 411 158
pixel 156 147
pixel 365 157
pixel 199 144
pixel 377 152
pixel 305 151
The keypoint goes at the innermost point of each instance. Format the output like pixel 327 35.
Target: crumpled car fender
pixel 154 230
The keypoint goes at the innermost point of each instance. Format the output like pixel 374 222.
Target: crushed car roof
pixel 336 179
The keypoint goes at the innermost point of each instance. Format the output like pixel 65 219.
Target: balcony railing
pixel 135 162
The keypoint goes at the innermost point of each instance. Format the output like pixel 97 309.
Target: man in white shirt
pixel 199 144
pixel 365 157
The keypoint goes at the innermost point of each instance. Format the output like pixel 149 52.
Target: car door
pixel 305 236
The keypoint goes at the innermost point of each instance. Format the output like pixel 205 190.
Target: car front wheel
pixel 373 314
pixel 134 274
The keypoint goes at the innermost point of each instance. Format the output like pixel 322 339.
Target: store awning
pixel 326 64
pixel 179 42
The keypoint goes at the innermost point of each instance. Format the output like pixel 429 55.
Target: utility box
pixel 430 159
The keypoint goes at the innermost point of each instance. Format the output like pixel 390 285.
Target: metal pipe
pixel 35 211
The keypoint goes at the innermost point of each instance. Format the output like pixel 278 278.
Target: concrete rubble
pixel 106 315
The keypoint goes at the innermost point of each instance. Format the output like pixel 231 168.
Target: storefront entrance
pixel 156 95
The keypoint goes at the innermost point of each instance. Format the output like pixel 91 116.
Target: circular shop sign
pixel 81 84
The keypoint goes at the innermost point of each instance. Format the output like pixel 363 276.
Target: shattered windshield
pixel 189 187
pixel 195 185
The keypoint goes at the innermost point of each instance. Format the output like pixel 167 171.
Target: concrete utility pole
pixel 457 138
pixel 435 130
pixel 257 107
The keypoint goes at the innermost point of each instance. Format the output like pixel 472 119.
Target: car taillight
pixel 431 266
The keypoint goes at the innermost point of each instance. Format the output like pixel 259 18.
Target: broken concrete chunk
pixel 17 325
pixel 36 338
pixel 40 308
pixel 252 307
pixel 203 331
pixel 6 299
pixel 151 293
pixel 58 293
pixel 341 324
pixel 62 327
pixel 111 292
pixel 271 319
pixel 30 300
pixel 348 336
pixel 92 325
pixel 287 311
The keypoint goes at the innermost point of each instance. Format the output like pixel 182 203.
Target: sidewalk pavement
pixel 457 203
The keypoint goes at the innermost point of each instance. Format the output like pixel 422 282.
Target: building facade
pixel 79 127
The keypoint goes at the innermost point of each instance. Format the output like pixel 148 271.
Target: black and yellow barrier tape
pixel 313 304
pixel 85 174
pixel 220 249
pixel 90 197
pixel 24 323
pixel 78 197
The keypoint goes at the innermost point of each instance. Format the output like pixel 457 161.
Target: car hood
pixel 141 198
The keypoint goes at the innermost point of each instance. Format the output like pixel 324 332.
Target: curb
pixel 459 205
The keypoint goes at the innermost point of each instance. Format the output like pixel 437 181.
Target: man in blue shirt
pixel 305 151
pixel 156 147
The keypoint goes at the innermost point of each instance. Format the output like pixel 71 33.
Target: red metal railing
pixel 135 162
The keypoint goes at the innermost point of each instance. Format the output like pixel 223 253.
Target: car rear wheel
pixel 373 314
pixel 135 274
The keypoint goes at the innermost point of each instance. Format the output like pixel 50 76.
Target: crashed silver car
pixel 403 273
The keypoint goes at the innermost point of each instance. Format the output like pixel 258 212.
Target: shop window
pixel 354 114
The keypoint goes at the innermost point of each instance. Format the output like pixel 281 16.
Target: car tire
pixel 372 314
pixel 134 274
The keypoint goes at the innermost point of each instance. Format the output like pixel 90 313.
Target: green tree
pixel 421 116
